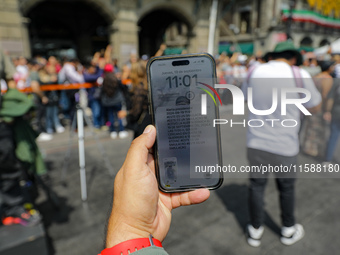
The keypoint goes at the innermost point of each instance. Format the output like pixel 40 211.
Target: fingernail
pixel 147 130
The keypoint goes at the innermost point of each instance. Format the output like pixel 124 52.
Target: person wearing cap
pixel 273 144
pixel 310 64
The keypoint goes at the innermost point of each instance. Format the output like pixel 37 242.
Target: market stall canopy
pixel 333 48
pixel 244 48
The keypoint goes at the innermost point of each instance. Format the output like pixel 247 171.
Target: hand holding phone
pixel 187 143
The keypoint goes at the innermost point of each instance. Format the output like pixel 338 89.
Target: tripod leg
pixel 81 150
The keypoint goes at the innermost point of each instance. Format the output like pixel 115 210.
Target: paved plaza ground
pixel 214 227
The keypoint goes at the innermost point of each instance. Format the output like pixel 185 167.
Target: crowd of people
pixel 27 117
pixel 117 93
pixel 32 109
pixel 319 133
pixel 123 94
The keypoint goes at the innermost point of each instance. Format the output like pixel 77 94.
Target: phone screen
pixel 184 106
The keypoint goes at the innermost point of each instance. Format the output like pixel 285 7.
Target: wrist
pixel 122 232
pixel 131 246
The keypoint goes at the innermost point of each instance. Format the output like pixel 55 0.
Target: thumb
pixel 137 156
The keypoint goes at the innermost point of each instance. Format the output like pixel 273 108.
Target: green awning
pixel 245 48
pixel 224 48
pixel 173 51
pixel 306 48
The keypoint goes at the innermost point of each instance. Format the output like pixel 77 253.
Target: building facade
pixel 261 24
pixel 57 27
pixel 32 27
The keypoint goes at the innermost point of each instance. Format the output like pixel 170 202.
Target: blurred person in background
pixel 53 63
pixel 276 145
pixel 234 68
pixel 336 59
pixel 15 61
pixel 256 60
pixel 48 76
pixel 126 70
pixel 69 73
pixel 22 73
pixel 310 64
pixel 106 59
pixel 22 66
pixel 93 71
pixel 315 127
pixel 138 116
pixel 117 70
pixel 40 99
pixel 145 58
pixel 239 70
pixel 112 99
pixel 41 60
pixel 219 74
pixel 332 115
pixel 227 68
pixel 226 77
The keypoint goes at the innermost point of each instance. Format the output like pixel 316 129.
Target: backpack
pixel 7 148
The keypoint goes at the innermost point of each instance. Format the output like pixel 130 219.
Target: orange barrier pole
pixel 59 87
pixel 126 81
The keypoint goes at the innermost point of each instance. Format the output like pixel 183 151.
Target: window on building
pixel 176 34
pixel 324 42
pixel 245 22
pixel 306 41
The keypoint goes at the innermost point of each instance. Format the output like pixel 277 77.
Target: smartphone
pixel 183 106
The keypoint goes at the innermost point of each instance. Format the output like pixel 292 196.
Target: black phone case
pixel 155 149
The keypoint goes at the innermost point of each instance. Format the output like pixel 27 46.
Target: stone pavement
pixel 214 227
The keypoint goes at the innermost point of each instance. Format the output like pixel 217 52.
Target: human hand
pixel 109 47
pixel 44 100
pixel 139 208
pixel 122 114
pixel 327 116
pixel 163 47
pixel 101 63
